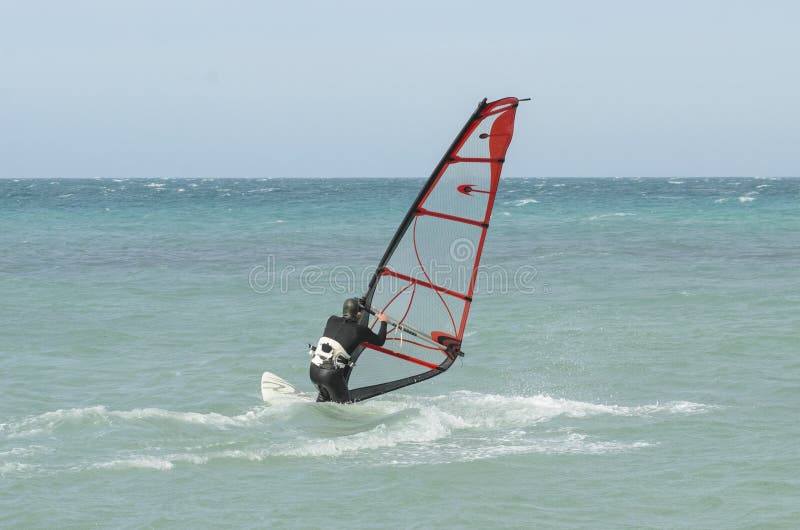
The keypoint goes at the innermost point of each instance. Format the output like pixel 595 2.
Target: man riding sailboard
pixel 425 283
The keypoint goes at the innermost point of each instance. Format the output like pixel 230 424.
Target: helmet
pixel 350 309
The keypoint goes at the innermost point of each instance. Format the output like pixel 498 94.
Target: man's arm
pixel 380 338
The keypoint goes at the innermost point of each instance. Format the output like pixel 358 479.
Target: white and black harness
pixel 329 354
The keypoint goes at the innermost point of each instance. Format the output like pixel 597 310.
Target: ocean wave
pixel 24 452
pixel 139 462
pixel 16 468
pixel 50 422
pixel 563 443
pixel 606 215
pixel 423 426
pixel 504 421
pixel 394 430
pixel 743 199
pixel 462 409
pixel 506 411
pixel 468 426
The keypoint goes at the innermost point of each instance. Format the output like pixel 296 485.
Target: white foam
pixel 616 214
pixel 140 462
pixel 569 443
pixel 13 461
pixel 211 419
pixel 7 468
pixel 238 454
pixel 489 410
pixel 397 428
pixel 746 199
pixel 439 425
pixel 25 452
pixel 583 444
pixel 46 422
pixel 428 425
pixel 432 417
pixel 50 421
pixel 523 202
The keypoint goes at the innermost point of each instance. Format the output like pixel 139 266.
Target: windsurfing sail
pixel 426 280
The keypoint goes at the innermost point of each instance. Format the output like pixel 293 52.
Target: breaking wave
pixel 395 430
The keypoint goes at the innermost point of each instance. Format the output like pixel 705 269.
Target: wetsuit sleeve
pixel 372 338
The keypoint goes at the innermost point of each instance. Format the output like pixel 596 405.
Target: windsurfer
pixel 330 362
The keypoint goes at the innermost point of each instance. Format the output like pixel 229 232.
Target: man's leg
pixel 323 394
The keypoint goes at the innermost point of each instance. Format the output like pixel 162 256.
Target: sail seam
pixel 423 283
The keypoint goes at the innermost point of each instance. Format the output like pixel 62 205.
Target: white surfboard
pixel 274 387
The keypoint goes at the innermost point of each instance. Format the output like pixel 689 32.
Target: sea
pixel 633 358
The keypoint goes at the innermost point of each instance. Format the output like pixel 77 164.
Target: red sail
pixel 426 279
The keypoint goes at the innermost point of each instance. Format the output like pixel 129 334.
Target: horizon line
pixel 598 177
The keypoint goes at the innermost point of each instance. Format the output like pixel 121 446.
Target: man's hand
pixel 381 317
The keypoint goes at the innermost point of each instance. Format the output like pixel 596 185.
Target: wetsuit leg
pixel 331 384
pixel 322 394
pixel 316 378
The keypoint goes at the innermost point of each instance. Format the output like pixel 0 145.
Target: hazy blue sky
pixel 103 88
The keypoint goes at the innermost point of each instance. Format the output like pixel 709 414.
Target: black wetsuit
pixel 331 382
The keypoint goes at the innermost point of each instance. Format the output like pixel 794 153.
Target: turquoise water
pixel 633 358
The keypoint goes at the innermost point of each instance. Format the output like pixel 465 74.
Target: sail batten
pixel 425 284
pixel 457 159
pixel 449 217
pixel 426 279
